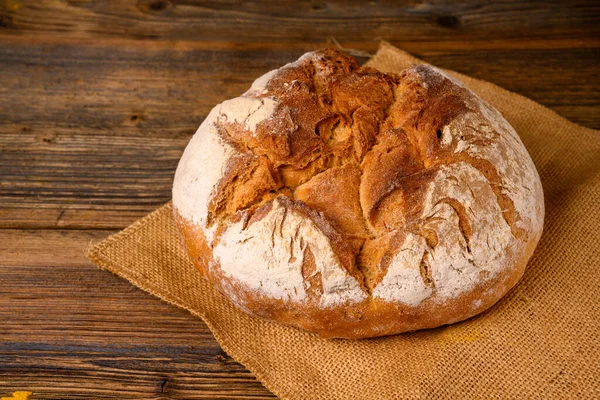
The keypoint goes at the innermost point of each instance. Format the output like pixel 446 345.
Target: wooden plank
pixel 71 329
pixel 314 21
pixel 91 182
pixel 45 248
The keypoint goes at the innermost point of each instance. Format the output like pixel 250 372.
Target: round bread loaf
pixel 353 203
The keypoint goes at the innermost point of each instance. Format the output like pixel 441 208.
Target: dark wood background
pixel 98 100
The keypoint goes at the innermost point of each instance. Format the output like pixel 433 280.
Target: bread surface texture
pixel 355 204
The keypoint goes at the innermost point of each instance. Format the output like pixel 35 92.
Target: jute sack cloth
pixel 540 341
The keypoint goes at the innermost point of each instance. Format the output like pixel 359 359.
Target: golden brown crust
pixel 409 185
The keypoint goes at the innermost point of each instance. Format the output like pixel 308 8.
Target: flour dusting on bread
pixel 473 236
pixel 247 111
pixel 267 256
pixel 200 169
pixel 206 157
pixel 403 281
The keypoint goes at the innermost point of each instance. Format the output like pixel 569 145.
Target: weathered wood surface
pixel 72 330
pixel 97 102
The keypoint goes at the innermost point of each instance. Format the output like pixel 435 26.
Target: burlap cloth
pixel 540 341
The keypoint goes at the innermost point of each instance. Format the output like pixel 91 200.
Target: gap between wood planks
pixel 366 47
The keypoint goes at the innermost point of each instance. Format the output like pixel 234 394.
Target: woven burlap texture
pixel 540 341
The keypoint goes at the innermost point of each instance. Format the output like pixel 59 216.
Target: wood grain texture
pixel 69 329
pixel 83 181
pixel 98 100
pixel 310 21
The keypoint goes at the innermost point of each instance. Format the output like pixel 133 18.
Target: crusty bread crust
pixel 354 203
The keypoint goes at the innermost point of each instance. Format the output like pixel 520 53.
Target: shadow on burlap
pixel 542 340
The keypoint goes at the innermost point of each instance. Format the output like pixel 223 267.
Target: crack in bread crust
pixel 380 165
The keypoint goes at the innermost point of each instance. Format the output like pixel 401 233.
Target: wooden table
pixel 98 100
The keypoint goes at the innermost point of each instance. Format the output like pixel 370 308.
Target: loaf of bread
pixel 355 204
